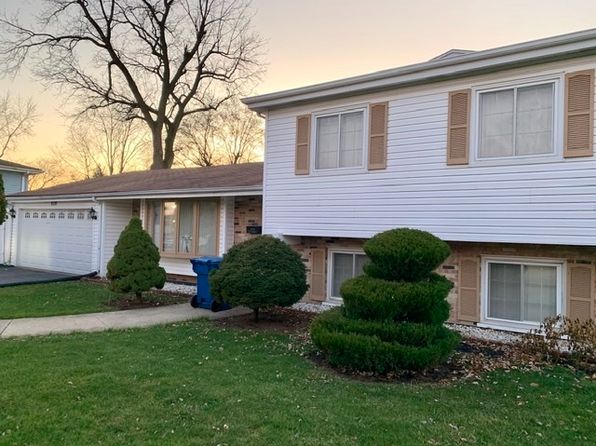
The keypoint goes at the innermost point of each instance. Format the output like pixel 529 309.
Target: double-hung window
pixel 339 140
pixel 184 228
pixel 522 292
pixel 344 266
pixel 516 121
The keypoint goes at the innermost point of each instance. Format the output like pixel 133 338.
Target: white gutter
pixel 578 44
pixel 179 193
pixel 26 170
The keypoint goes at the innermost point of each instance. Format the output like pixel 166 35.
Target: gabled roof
pixel 16 167
pixel 454 52
pixel 567 46
pixel 199 180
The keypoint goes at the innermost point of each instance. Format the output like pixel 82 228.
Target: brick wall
pixel 450 269
pixel 247 212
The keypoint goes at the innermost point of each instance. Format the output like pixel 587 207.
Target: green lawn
pixel 195 383
pixel 54 299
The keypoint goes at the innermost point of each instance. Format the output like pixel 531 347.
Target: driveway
pixel 13 275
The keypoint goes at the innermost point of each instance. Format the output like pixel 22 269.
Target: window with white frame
pixel 184 228
pixel 522 292
pixel 339 140
pixel 344 265
pixel 516 121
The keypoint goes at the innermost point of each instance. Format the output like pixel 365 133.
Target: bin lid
pixel 206 260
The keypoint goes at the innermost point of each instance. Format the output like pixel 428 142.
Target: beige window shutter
pixel 303 145
pixel 318 288
pixel 377 136
pixel 580 291
pixel 579 114
pixel 468 308
pixel 458 130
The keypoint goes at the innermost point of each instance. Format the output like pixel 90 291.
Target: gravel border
pixel 179 288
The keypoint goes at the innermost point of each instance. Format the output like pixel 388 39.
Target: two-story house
pixel 493 151
pixel 16 179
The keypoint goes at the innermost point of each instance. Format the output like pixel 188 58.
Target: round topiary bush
pixel 134 268
pixel 392 317
pixel 260 273
pixel 404 254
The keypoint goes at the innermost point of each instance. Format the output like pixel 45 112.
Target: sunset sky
pixel 311 41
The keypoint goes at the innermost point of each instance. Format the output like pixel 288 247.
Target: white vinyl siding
pixel 117 215
pixel 532 200
pixel 516 121
pixel 521 292
pixel 339 140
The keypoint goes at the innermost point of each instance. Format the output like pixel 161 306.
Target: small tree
pixel 3 202
pixel 134 268
pixel 260 273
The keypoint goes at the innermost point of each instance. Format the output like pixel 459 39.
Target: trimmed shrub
pixel 381 347
pixel 377 299
pixel 404 254
pixel 3 203
pixel 134 268
pixel 392 317
pixel 260 273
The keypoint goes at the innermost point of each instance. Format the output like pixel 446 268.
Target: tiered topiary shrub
pixel 392 317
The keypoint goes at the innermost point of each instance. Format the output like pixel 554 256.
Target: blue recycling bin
pixel 202 266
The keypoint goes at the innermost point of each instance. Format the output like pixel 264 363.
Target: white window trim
pixel 558 121
pixel 521 326
pixel 330 253
pixel 313 138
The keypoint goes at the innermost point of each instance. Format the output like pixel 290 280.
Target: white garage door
pixel 55 239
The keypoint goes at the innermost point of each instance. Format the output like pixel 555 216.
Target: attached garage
pixel 56 239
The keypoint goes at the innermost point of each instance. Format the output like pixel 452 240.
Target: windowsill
pixel 503 325
pixel 337 171
pixel 517 161
pixel 169 255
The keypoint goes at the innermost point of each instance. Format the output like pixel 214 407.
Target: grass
pixel 60 298
pixel 195 383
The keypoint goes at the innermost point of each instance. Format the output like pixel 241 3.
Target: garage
pixel 55 239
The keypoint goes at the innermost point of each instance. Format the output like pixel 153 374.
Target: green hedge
pixel 404 254
pixel 377 299
pixel 381 347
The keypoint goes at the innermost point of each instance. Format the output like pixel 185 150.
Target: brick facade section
pixel 450 268
pixel 248 211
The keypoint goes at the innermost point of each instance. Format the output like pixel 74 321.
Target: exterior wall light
pixel 12 213
pixel 92 214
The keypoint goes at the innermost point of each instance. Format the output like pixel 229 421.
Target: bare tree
pixel 16 120
pixel 99 143
pixel 54 173
pixel 230 135
pixel 154 60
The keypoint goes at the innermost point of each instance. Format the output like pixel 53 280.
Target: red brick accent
pixel 248 211
pixel 450 268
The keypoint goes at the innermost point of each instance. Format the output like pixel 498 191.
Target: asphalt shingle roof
pixel 231 177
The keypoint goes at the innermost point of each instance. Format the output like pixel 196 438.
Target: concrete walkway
pixel 144 317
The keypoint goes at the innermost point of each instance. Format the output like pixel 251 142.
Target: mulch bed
pixel 278 320
pixel 470 362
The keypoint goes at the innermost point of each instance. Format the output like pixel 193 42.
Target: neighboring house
pixel 16 179
pixel 493 151
pixel 188 212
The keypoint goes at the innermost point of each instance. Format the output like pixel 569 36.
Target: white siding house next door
pixel 55 239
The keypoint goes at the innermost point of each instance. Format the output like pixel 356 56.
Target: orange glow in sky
pixel 311 41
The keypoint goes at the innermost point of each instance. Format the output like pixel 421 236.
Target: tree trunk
pixel 168 155
pixel 139 296
pixel 158 161
pixel 256 313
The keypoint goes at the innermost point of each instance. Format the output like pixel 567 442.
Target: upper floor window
pixel 339 140
pixel 515 122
